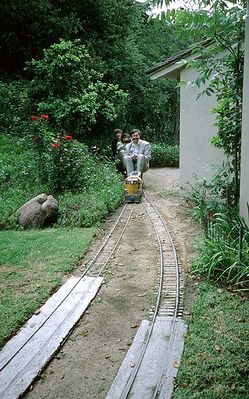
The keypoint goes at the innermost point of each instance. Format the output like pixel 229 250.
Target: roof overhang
pixel 171 68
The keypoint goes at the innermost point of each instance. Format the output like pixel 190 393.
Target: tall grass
pixel 224 252
pixel 214 364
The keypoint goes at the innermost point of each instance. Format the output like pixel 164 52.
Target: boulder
pixel 40 211
pixel 50 207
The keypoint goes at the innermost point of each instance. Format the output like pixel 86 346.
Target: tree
pixel 152 106
pixel 223 75
pixel 68 85
pixel 121 43
pixel 27 27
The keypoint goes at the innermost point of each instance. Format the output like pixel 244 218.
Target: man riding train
pixel 136 159
pixel 137 155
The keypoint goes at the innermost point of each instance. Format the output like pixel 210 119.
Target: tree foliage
pixel 220 66
pixel 119 45
pixel 152 105
pixel 27 27
pixel 68 84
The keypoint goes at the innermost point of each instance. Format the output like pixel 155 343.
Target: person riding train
pixel 136 155
pixel 118 146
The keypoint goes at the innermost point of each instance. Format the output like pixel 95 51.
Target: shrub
pixel 224 252
pixel 90 191
pixel 18 177
pixel 68 84
pixel 102 193
pixel 100 146
pixel 204 203
pixel 15 107
pixel 62 162
pixel 210 196
pixel 164 155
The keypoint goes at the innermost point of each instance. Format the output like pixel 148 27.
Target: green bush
pixel 224 252
pixel 63 163
pixel 18 177
pixel 101 145
pixel 15 107
pixel 103 192
pixel 68 84
pixel 90 187
pixel 164 155
pixel 211 196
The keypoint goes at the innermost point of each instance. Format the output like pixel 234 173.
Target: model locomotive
pixel 133 188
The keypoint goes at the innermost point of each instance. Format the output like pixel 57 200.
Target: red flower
pixel 34 117
pixel 68 137
pixel 44 117
pixel 56 145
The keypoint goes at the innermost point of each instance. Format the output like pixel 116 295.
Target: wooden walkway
pixel 24 356
pixel 158 367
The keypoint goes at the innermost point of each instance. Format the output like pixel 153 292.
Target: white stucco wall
pixel 244 184
pixel 196 129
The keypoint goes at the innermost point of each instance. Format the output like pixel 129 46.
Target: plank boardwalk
pixel 160 361
pixel 24 356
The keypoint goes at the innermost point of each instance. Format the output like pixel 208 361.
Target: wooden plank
pixel 151 367
pixel 21 370
pixel 157 357
pixel 171 369
pixel 129 362
pixel 35 322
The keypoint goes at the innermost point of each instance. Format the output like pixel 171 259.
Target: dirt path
pixel 89 360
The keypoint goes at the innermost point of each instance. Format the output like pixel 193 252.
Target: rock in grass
pixel 41 211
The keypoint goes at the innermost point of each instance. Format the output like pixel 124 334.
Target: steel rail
pixel 133 375
pixel 117 242
pixel 128 387
pixel 177 269
pixel 93 260
pixel 81 277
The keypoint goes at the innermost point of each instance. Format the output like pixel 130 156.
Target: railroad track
pixel 167 309
pixel 163 333
pixel 169 287
pixel 98 264
pixel 25 355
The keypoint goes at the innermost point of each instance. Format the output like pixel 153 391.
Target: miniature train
pixel 133 188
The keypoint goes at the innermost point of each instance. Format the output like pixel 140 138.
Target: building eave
pixel 172 66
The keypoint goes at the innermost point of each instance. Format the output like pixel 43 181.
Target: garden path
pixel 89 360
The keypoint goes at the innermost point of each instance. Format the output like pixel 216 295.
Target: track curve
pixel 168 289
pixel 167 307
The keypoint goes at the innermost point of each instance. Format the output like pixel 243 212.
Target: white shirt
pixel 134 149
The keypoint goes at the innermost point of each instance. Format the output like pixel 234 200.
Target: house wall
pixel 196 129
pixel 244 185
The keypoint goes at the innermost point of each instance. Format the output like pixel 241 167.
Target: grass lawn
pixel 215 361
pixel 32 265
